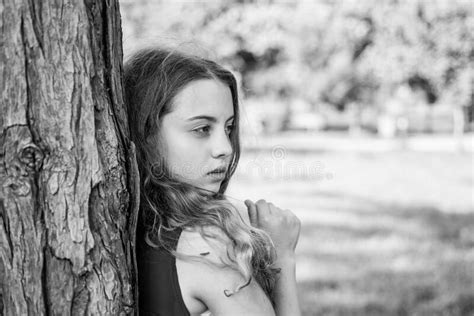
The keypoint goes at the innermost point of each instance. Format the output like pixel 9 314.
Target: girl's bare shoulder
pixel 210 243
pixel 208 280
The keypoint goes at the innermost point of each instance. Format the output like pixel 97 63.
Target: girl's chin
pixel 209 187
pixel 214 187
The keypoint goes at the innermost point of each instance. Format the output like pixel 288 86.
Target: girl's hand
pixel 282 226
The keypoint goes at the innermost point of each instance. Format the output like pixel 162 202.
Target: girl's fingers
pixel 264 211
pixel 252 209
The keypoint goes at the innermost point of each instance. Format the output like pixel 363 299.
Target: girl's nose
pixel 221 146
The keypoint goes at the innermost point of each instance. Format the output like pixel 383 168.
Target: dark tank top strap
pixel 158 285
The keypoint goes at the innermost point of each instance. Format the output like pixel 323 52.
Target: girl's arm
pixel 284 228
pixel 286 298
pixel 203 284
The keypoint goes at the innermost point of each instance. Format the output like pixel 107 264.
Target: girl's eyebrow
pixel 206 117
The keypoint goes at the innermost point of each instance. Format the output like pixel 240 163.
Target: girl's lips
pixel 218 170
pixel 217 175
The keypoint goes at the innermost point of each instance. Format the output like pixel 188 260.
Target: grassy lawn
pixel 389 233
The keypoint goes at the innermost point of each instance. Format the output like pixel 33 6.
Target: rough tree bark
pixel 67 169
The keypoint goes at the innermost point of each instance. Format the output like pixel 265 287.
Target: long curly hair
pixel 153 77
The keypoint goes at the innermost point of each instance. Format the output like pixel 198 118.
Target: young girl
pixel 195 251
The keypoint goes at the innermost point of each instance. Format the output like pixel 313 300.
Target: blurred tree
pixel 332 51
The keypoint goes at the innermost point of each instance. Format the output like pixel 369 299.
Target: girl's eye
pixel 230 128
pixel 204 130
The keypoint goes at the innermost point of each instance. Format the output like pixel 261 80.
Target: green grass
pixel 382 233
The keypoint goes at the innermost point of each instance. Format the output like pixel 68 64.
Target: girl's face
pixel 195 134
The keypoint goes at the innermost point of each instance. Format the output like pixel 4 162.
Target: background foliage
pixel 324 53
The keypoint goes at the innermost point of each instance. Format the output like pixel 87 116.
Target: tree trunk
pixel 67 168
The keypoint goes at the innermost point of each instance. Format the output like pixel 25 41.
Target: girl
pixel 195 251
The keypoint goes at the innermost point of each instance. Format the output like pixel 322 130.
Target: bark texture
pixel 67 168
